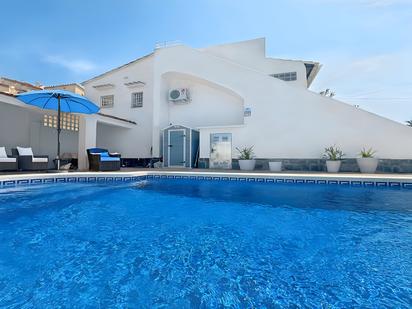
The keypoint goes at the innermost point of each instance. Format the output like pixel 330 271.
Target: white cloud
pixel 74 65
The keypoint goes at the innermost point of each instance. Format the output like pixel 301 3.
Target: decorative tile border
pixel 381 182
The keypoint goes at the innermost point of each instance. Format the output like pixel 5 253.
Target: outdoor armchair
pixel 7 163
pixel 28 162
pixel 101 160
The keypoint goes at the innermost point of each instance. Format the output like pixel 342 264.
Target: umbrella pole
pixel 58 133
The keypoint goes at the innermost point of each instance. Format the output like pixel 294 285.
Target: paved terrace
pixel 211 172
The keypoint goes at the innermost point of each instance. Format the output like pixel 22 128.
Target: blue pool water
pixel 205 244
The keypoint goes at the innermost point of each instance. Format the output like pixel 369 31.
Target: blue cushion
pixel 104 154
pixel 97 150
pixel 105 159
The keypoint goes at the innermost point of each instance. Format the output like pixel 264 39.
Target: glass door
pixel 220 150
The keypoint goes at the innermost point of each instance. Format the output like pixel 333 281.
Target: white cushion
pixel 25 151
pixel 39 160
pixel 7 160
pixel 3 153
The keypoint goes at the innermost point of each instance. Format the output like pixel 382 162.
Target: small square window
pixel 137 99
pixel 107 101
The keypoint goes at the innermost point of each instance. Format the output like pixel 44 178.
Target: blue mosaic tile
pixel 23 181
pixel 407 185
pixel 9 183
pixel 393 184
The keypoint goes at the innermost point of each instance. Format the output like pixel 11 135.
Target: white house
pixel 237 97
pixel 232 95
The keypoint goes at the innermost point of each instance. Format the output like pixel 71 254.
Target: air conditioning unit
pixel 179 95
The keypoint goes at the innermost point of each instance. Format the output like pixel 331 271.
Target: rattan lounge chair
pixel 7 163
pixel 28 162
pixel 101 160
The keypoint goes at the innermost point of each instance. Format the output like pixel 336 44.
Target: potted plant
pixel 333 156
pixel 367 162
pixel 246 161
pixel 275 166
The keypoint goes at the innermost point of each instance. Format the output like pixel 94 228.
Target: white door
pixel 220 150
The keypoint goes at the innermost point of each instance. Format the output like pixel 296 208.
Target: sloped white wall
pixel 287 121
pixel 209 105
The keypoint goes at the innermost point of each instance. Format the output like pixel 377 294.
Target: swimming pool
pixel 163 243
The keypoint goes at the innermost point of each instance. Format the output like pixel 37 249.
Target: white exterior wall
pixel 210 105
pixel 22 126
pixel 288 121
pixel 252 54
pixel 135 142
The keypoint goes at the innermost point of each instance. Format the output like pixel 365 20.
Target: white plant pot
pixel 275 166
pixel 333 166
pixel 367 165
pixel 247 165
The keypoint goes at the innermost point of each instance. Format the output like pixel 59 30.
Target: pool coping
pixel 359 180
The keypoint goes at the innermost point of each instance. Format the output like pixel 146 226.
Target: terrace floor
pixel 262 173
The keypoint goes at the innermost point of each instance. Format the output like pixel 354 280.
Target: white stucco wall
pixel 21 126
pixel 136 142
pixel 210 105
pixel 252 54
pixel 289 121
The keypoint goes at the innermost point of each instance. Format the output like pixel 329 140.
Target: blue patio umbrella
pixel 60 101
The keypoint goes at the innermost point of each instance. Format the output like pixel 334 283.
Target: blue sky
pixel 365 46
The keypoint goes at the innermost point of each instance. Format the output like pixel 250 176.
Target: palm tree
pixel 409 123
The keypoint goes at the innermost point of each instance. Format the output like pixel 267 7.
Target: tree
pixel 409 123
pixel 327 93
